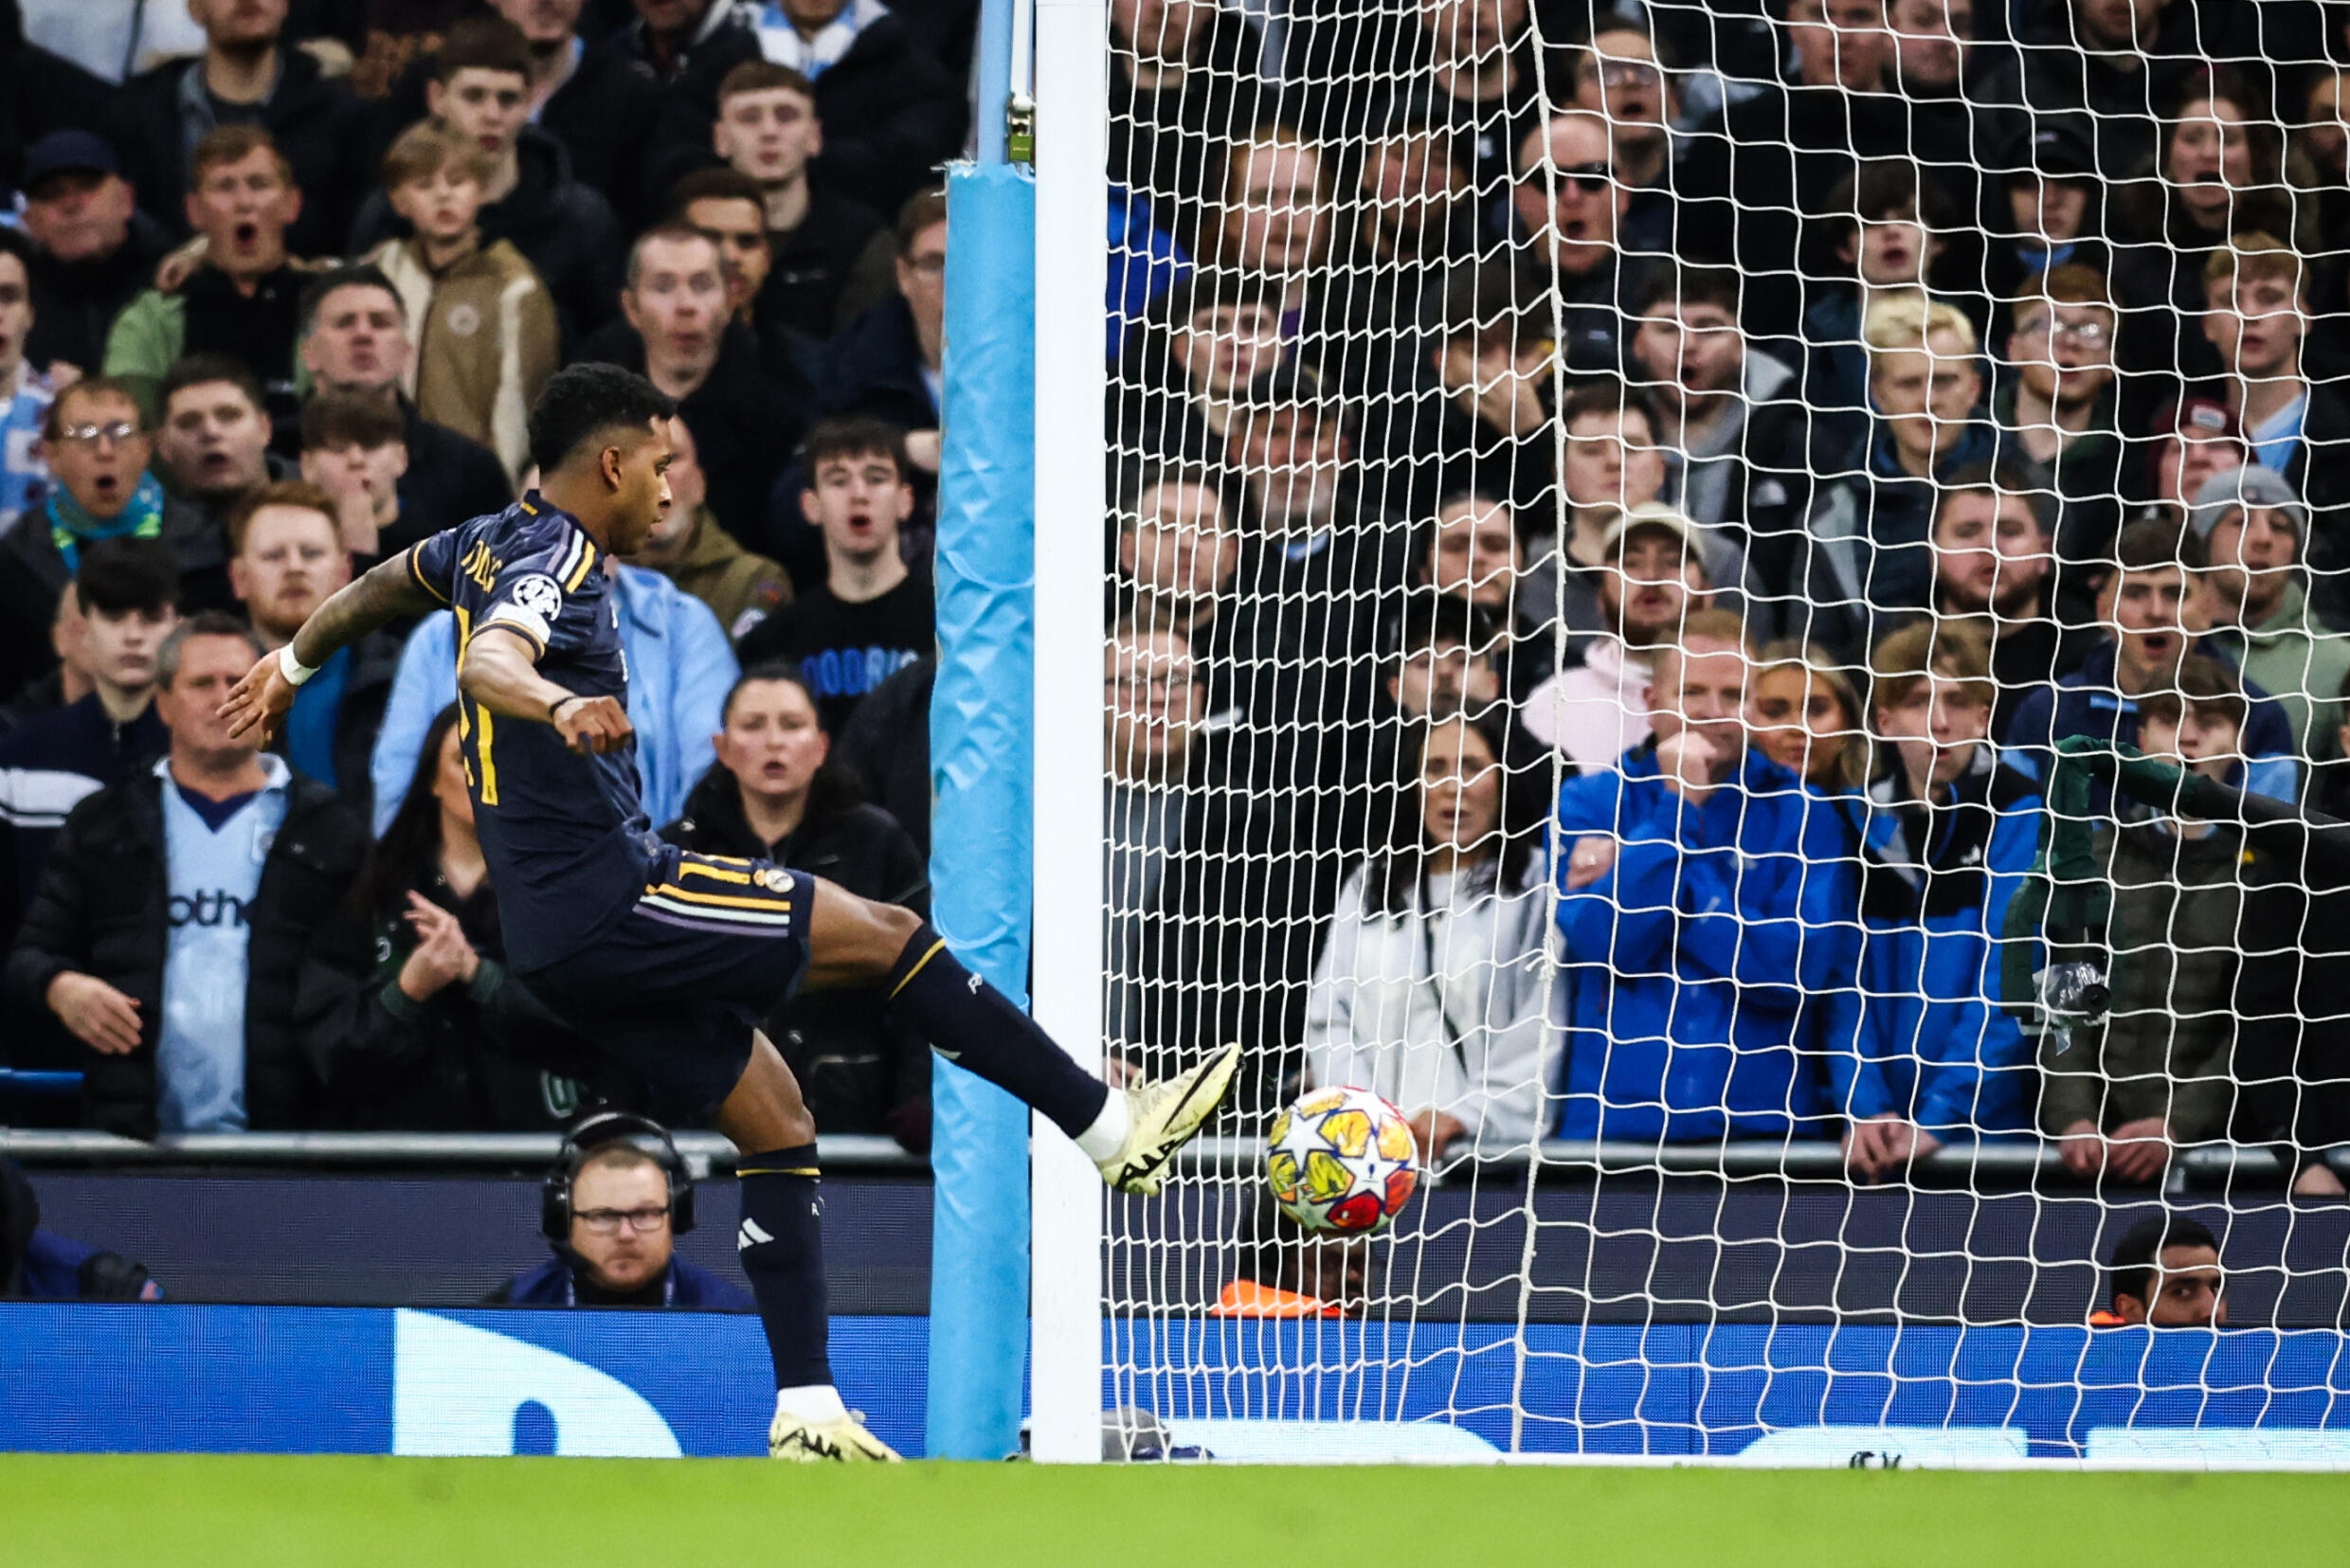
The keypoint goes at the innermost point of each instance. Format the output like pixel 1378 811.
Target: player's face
pixel 642 497
pixel 292 559
pixel 621 1257
pixel 772 743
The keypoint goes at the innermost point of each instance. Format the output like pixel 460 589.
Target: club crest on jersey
pixel 539 595
pixel 773 880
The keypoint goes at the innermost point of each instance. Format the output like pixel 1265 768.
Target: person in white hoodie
pixel 1433 988
pixel 1654 574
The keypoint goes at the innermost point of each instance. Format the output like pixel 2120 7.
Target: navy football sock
pixel 971 1024
pixel 782 1247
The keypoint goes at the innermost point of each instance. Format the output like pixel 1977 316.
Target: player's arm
pixel 499 670
pixel 387 592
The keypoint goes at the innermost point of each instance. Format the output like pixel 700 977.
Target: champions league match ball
pixel 1341 1160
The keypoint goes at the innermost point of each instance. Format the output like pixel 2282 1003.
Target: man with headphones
pixel 614 1204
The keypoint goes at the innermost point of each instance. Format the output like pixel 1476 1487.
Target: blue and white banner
pixel 277 1379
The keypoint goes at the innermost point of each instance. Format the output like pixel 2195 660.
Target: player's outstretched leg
pixel 781 1246
pixel 1130 1135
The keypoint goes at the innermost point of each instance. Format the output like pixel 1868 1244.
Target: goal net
pixel 1618 519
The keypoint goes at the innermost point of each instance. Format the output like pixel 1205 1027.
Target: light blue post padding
pixel 981 758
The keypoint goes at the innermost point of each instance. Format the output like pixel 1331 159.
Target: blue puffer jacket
pixel 1922 1036
pixel 1698 960
pixel 555 1283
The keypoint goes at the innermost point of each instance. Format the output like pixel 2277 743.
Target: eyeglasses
pixel 1628 73
pixel 1589 178
pixel 2089 335
pixel 608 1222
pixel 90 435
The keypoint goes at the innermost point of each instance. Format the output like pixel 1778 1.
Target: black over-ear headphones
pixel 592 1132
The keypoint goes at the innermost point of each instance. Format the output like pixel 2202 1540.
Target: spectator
pixel 1188 366
pixel 242 300
pixel 2059 404
pixel 1705 908
pixel 689 548
pixel 1569 206
pixel 886 749
pixel 93 249
pixel 411 982
pixel 356 342
pixel 1182 73
pixel 175 911
pixel 871 616
pixel 2190 969
pixel 2190 441
pixel 768 130
pixel 1443 662
pixel 95 444
pixel 531 199
pixel 886 364
pixel 1178 552
pixel 624 1198
pixel 1472 553
pixel 775 796
pixel 1807 719
pixel 70 682
pixel 2139 603
pixel 43 1265
pixel 278 97
pixel 590 96
pixel 1492 370
pixel 1993 567
pixel 124 590
pixel 486 322
pixel 211 451
pixel 729 207
pixel 354 449
pixel 2219 176
pixel 2054 208
pixel 1620 76
pixel 1882 251
pixel 2165 1274
pixel 680 335
pixel 1726 410
pixel 1867 551
pixel 286 555
pixel 1652 579
pixel 2247 600
pixel 1413 204
pixel 2259 301
pixel 25 392
pixel 1433 989
pixel 1274 225
pixel 1612 463
pixel 680 668
pixel 1920 1055
pixel 892 113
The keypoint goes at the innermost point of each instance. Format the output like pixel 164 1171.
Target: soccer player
pixel 668 959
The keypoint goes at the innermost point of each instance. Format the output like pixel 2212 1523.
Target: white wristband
pixel 295 670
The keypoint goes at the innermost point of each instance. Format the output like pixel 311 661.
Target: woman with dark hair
pixel 433 1033
pixel 774 795
pixel 2221 172
pixel 1433 990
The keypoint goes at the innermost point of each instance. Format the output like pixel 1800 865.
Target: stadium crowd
pixel 1613 511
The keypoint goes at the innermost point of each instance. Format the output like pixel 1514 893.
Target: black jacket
pixel 886 747
pixel 103 910
pixel 563 226
pixel 484 1056
pixel 875 367
pixel 74 304
pixel 859 1071
pixel 317 123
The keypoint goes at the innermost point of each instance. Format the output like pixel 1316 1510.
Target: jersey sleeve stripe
pixel 416 572
pixel 586 560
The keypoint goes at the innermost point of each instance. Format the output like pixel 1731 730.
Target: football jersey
pixel 566 840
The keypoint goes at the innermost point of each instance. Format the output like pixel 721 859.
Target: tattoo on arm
pixel 388 592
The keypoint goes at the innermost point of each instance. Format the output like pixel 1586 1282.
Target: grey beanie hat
pixel 2249 486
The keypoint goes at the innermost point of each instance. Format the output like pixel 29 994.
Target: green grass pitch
pixel 252 1512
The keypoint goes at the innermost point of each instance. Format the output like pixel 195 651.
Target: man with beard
pixel 287 557
pixel 1992 563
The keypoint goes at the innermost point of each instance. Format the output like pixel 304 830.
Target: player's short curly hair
pixel 582 400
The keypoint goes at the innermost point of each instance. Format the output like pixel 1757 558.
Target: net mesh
pixel 1615 516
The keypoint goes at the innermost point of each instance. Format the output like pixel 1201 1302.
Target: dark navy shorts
pixel 672 993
